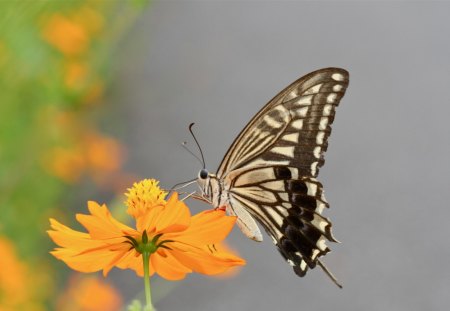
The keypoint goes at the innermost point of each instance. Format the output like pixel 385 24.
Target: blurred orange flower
pixel 12 276
pixel 94 92
pixel 76 73
pixel 17 283
pixel 104 155
pixel 71 34
pixel 91 152
pixel 65 163
pixel 67 36
pixel 89 294
pixel 74 35
pixel 179 243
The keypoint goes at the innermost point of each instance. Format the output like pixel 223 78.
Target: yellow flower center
pixel 143 196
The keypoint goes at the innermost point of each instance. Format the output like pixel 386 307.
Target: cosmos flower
pixel 177 243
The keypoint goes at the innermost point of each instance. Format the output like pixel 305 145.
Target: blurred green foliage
pixel 55 59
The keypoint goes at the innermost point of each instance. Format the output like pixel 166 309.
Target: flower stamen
pixel 143 196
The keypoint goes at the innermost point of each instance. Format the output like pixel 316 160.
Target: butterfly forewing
pixel 270 169
pixel 293 128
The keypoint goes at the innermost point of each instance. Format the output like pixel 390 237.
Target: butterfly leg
pixel 188 196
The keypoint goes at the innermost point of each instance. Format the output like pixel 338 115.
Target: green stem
pixel 148 293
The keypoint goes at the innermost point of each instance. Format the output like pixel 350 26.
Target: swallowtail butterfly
pixel 268 176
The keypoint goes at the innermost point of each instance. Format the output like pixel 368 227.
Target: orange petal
pixel 168 266
pixel 91 262
pixel 82 253
pixel 175 216
pixel 100 224
pixel 113 262
pixel 95 208
pixel 133 260
pixel 66 237
pixel 203 262
pixel 225 251
pixel 146 221
pixel 207 227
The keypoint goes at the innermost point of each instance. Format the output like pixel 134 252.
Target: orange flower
pixel 72 34
pixel 104 155
pixel 178 243
pixel 67 36
pixel 86 152
pixel 93 92
pixel 89 294
pixel 65 163
pixel 12 276
pixel 76 74
pixel 21 287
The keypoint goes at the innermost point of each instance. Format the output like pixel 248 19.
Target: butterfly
pixel 268 175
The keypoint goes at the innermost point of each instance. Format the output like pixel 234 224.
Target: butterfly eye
pixel 203 174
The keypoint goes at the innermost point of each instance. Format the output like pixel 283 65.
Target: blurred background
pixel 97 94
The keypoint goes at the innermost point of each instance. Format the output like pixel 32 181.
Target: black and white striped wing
pixel 272 165
pixel 289 207
pixel 293 128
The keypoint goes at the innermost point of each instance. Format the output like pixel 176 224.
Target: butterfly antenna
pixel 198 145
pixel 330 275
pixel 184 144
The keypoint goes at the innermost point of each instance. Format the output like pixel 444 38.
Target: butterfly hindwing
pixel 289 207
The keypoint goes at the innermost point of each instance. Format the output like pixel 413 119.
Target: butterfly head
pixel 203 174
pixel 203 181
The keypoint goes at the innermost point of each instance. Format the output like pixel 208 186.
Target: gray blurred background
pixel 386 174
